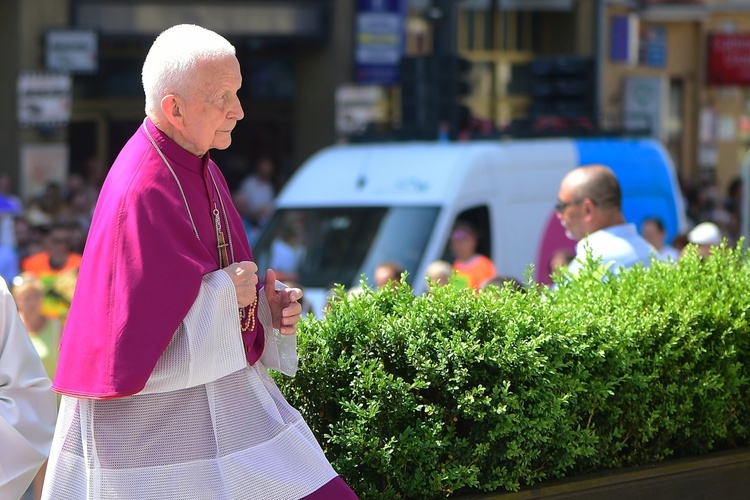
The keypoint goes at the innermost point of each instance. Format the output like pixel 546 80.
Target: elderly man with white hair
pixel 163 361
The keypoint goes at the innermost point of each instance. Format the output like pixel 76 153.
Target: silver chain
pixel 164 159
pixel 224 211
pixel 217 221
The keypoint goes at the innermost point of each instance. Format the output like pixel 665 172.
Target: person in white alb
pixel 27 404
pixel 590 209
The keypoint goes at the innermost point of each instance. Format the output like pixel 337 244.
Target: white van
pixel 352 207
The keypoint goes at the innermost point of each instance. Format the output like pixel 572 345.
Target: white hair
pixel 173 57
pixel 439 269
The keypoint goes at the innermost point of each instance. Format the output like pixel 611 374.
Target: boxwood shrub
pixel 456 392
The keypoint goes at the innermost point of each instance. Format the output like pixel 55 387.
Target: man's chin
pixel 223 144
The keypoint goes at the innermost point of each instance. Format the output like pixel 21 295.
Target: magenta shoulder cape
pixel 142 268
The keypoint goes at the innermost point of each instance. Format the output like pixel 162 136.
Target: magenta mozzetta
pixel 133 291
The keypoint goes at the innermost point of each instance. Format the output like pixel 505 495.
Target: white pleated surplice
pixel 207 425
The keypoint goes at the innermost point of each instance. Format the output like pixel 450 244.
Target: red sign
pixel 729 59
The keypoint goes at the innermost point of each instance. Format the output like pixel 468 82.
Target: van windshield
pixel 321 247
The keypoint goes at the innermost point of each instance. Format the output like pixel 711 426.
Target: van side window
pixel 479 218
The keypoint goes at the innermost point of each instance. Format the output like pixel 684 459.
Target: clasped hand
pixel 285 308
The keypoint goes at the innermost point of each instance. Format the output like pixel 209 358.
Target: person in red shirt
pixel 470 265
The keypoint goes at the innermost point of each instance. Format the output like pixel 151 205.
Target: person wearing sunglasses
pixel 590 209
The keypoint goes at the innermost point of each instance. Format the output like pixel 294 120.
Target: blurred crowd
pixel 711 217
pixel 43 237
pixel 45 234
pixel 708 204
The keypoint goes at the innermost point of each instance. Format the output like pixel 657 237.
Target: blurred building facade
pixel 688 69
pixel 292 53
pixel 673 69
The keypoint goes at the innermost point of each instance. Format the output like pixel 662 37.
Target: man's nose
pixel 237 113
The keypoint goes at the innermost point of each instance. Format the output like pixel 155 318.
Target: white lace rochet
pixel 206 426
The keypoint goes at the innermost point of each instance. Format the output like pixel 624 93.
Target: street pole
pixel 445 38
pixel 445 43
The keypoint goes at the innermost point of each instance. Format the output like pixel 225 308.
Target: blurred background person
pixel 706 235
pixel 438 273
pixel 52 201
pixel 560 259
pixel 28 238
pixel 653 231
pixel 238 199
pixel 81 207
pixel 77 234
pixel 35 214
pixel 287 252
pixel 56 267
pixel 590 209
pixel 9 263
pixel 259 191
pixel 9 201
pixel 502 281
pixel 10 207
pixel 474 267
pixel 388 273
pixel 44 331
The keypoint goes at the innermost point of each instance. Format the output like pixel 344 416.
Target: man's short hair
pixel 394 269
pixel 602 187
pixel 462 229
pixel 439 269
pixel 173 57
pixel 656 221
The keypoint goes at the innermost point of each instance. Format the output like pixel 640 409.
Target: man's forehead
pixel 566 187
pixel 218 74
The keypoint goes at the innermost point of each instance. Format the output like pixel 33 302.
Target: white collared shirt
pixel 618 247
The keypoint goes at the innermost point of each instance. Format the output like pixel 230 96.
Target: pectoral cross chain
pixel 221 243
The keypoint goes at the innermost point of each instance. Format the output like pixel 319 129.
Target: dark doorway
pixel 83 148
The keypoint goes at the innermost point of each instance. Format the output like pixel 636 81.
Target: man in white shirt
pixel 27 405
pixel 590 209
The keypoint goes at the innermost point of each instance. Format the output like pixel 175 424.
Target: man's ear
pixel 588 206
pixel 171 108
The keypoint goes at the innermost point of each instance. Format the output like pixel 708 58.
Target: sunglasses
pixel 561 207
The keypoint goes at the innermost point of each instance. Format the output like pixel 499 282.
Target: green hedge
pixel 454 392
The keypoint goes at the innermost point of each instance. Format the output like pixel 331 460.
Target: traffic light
pixel 563 93
pixel 418 109
pixel 452 87
pixel 432 89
